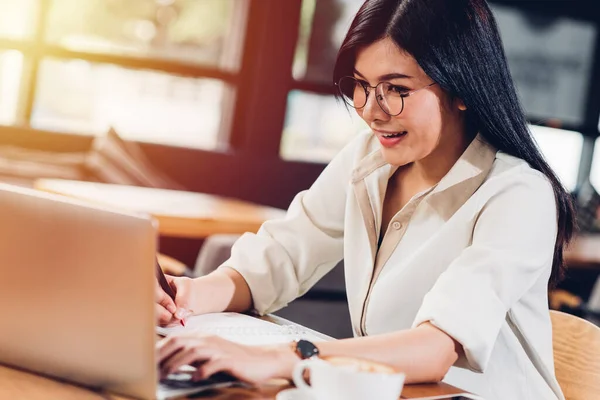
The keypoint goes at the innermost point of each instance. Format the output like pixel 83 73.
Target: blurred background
pixel 234 97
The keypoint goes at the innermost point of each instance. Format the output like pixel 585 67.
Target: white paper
pixel 241 328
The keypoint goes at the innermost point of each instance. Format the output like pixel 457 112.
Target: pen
pixel 164 284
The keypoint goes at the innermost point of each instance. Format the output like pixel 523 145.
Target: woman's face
pixel 430 120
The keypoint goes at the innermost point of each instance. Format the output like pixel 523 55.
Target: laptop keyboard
pixel 183 380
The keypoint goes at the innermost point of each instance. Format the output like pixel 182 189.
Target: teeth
pixel 393 135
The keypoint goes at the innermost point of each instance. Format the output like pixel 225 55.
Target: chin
pixel 393 158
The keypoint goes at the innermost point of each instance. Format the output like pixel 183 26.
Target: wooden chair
pixel 559 298
pixel 171 266
pixel 576 356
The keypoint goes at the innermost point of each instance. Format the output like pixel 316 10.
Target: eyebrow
pixel 386 77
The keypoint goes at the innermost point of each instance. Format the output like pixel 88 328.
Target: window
pixel 550 60
pixel 595 173
pixel 562 150
pixel 318 138
pixel 11 68
pixel 159 71
pixel 188 30
pixel 141 105
pixel 322 28
pixel 323 25
pixel 18 18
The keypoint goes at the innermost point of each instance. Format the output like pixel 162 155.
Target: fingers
pixel 170 279
pixel 186 356
pixel 211 367
pixel 212 354
pixel 163 299
pixel 177 351
pixel 163 316
pixel 182 297
pixel 171 344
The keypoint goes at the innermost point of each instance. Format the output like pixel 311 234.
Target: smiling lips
pixel 390 139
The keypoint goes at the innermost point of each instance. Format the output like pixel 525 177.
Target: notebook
pixel 241 328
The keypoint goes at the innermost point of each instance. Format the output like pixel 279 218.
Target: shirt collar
pixel 369 164
pixel 476 160
pixel 463 179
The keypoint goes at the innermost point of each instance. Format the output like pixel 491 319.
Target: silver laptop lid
pixel 76 291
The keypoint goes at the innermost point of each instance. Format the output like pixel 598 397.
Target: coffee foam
pixel 361 365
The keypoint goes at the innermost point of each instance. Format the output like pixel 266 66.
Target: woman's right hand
pixel 222 290
pixel 169 312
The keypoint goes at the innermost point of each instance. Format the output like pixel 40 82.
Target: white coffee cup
pixel 347 378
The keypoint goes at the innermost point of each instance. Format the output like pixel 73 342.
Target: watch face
pixel 306 349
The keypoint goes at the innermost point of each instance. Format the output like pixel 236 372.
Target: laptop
pixel 77 293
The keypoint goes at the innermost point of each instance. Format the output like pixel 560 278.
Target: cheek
pixel 425 115
pixel 360 114
pixel 425 124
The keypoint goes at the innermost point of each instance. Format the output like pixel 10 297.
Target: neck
pixel 431 169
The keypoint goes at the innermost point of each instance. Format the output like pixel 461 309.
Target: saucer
pixel 294 394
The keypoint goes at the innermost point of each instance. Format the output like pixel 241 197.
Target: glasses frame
pixel 366 88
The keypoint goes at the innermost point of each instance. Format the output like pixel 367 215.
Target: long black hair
pixel 457 44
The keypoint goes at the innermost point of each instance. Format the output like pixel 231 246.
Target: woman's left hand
pixel 211 354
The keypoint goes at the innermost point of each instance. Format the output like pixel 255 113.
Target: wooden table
pixel 584 252
pixel 179 213
pixel 21 385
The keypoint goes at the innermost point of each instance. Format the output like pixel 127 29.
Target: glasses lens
pixel 389 98
pixel 352 92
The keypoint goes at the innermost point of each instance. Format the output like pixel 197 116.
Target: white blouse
pixel 472 256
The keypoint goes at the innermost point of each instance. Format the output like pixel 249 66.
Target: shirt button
pixel 396 225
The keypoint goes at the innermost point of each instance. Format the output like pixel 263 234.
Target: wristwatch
pixel 304 349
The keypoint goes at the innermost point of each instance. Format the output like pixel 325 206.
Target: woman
pixel 450 222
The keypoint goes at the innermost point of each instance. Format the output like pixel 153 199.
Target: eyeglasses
pixel 389 97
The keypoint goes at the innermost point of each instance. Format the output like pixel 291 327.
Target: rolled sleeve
pixel 287 257
pixel 512 248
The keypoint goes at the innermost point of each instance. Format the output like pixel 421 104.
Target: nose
pixel 372 111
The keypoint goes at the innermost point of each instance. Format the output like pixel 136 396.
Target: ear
pixel 460 104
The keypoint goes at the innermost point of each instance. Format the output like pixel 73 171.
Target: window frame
pixel 35 49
